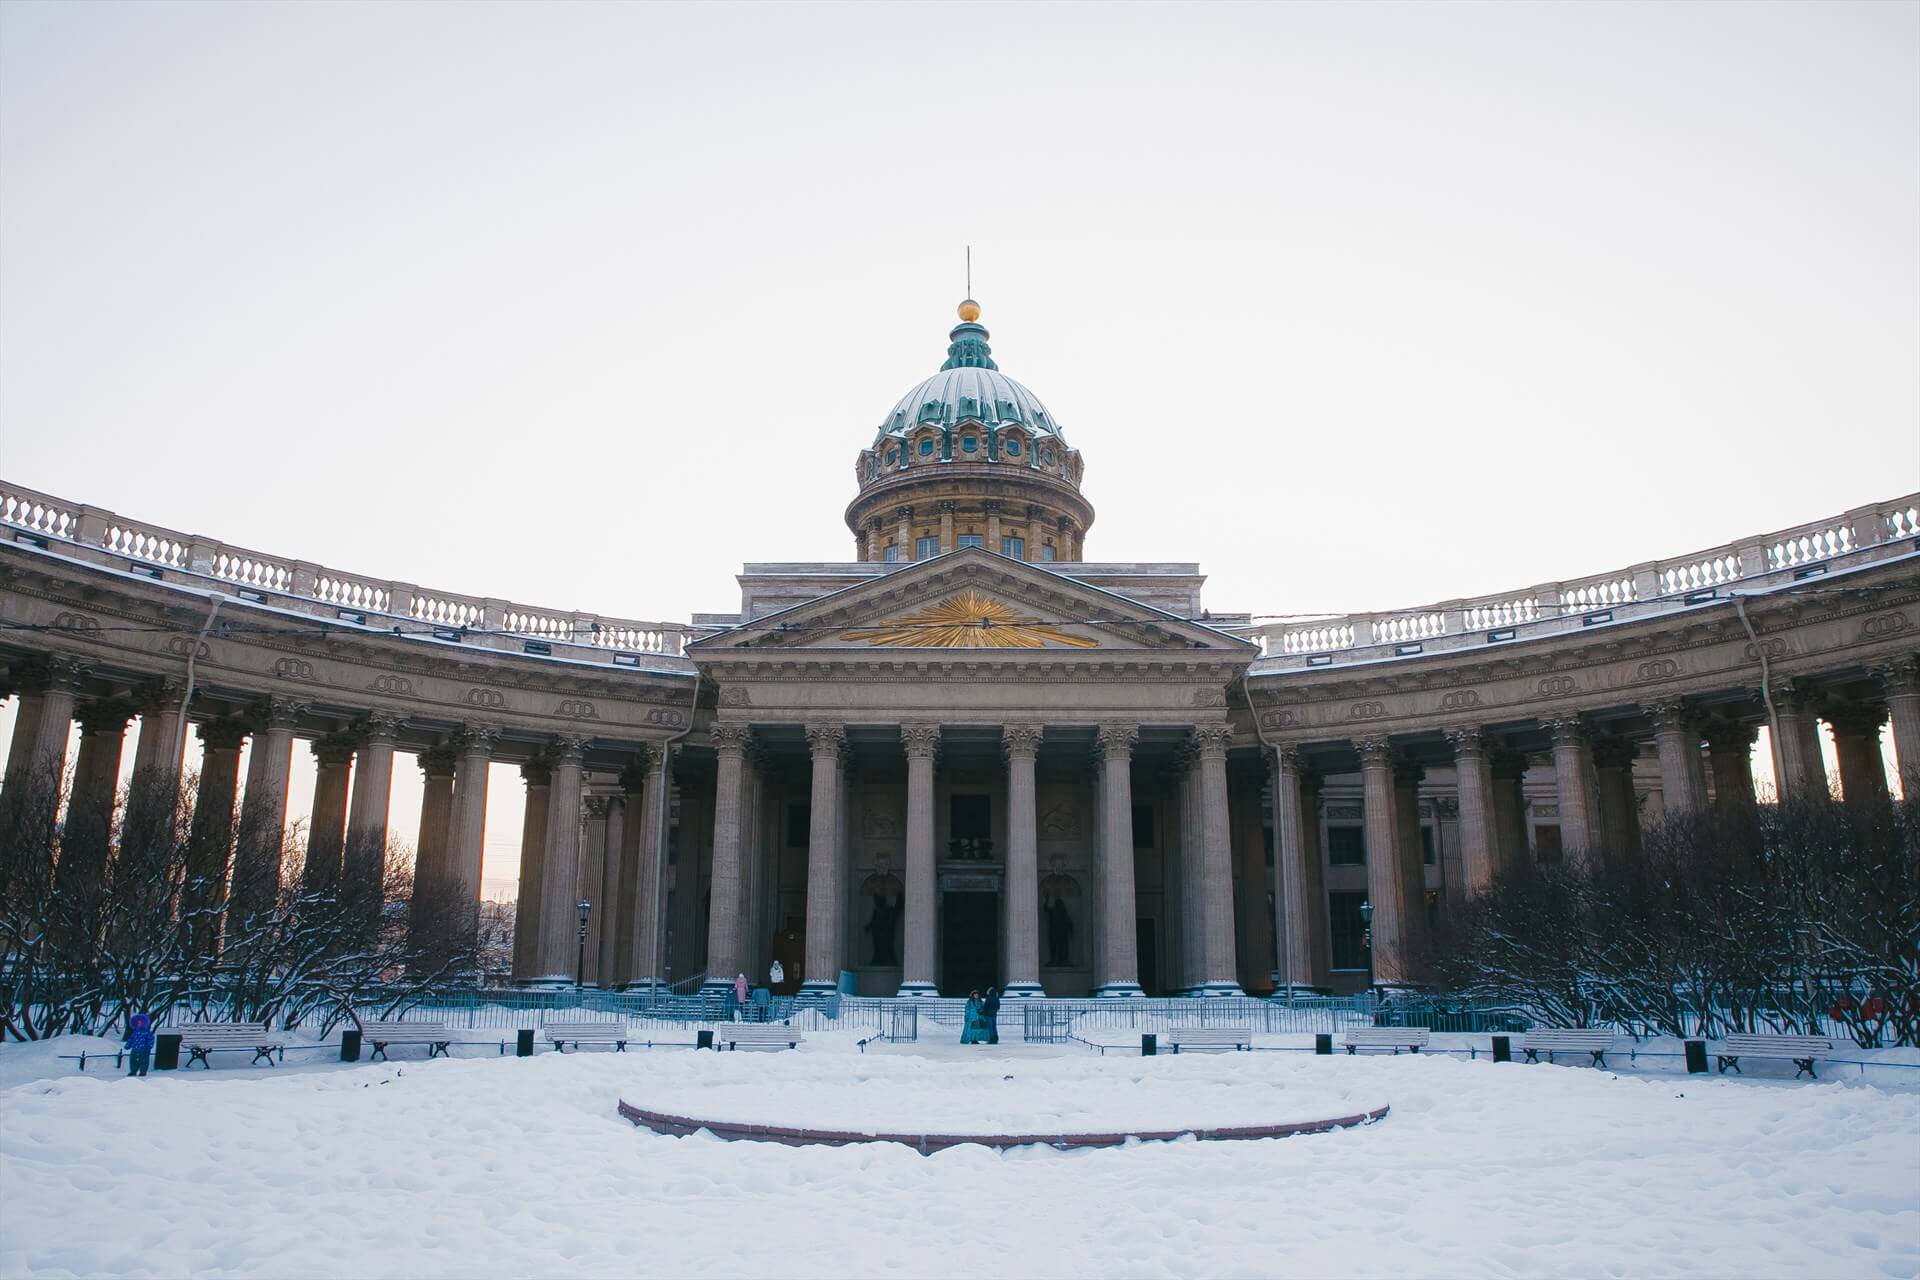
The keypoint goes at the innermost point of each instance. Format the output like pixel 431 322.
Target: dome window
pixel 970 443
pixel 926 446
pixel 1046 457
pixel 1013 447
pixel 893 457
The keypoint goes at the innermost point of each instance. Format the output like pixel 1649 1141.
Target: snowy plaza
pixel 497 1166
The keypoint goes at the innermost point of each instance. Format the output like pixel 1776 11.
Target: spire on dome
pixel 969 349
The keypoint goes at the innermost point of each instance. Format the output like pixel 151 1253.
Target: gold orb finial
pixel 969 310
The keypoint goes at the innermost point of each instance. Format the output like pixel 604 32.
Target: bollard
pixel 523 1043
pixel 1696 1057
pixel 1323 1043
pixel 1503 1049
pixel 350 1045
pixel 1149 1045
pixel 703 1039
pixel 166 1052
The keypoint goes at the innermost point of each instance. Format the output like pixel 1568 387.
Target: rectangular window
pixel 799 825
pixel 1046 551
pixel 971 540
pixel 1546 843
pixel 1345 931
pixel 1346 846
pixel 1426 845
pixel 891 552
pixel 926 548
pixel 970 817
pixel 1014 548
pixel 1143 826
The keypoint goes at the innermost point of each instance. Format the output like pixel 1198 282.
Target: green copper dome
pixel 969 387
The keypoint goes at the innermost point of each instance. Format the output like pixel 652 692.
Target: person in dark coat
pixel 139 1044
pixel 990 1011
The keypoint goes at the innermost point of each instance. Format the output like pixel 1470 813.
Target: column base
pixel 1298 990
pixel 816 987
pixel 1023 991
pixel 644 985
pixel 549 982
pixel 917 991
pixel 713 985
pixel 1216 990
pixel 1119 991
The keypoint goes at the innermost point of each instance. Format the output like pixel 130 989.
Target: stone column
pixel 1571 763
pixel 1301 901
pixel 88 832
pixel 467 823
pixel 1619 806
pixel 538 779
pixel 1730 751
pixel 560 879
pixel 614 938
pixel 628 891
pixel 366 846
pixel 1677 741
pixel 1386 887
pixel 263 808
pixel 724 959
pixel 1856 741
pixel 946 527
pixel 1509 772
pixel 1215 883
pixel 1193 962
pixel 1410 855
pixel 826 742
pixel 1021 743
pixel 904 537
pixel 203 897
pixel 871 548
pixel 327 828
pixel 154 793
pixel 649 889
pixel 922 744
pixel 592 887
pixel 37 765
pixel 993 533
pixel 1797 774
pixel 1901 681
pixel 1119 975
pixel 1474 779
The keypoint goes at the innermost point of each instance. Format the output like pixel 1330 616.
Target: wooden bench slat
pixel 1395 1038
pixel 1802 1051
pixel 1593 1040
pixel 1210 1038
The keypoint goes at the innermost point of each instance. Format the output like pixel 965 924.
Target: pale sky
pixel 1360 306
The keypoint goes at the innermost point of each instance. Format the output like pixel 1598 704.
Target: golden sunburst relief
pixel 967 621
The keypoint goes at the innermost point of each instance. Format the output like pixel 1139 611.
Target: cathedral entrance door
pixel 970 942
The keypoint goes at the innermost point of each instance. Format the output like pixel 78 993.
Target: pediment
pixel 975 602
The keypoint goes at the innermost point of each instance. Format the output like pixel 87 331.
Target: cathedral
pixel 970 755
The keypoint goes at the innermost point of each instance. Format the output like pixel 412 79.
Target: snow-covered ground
pixel 492 1166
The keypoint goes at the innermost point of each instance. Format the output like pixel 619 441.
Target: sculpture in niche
pixel 1059 895
pixel 883 920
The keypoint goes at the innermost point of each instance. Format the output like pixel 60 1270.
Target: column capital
pixel 1021 739
pixel 381 725
pixel 276 712
pixel 641 758
pixel 1614 753
pixel 1467 741
pixel 1900 676
pixel 476 739
pixel 53 673
pixel 569 748
pixel 334 749
pixel 1284 758
pixel 109 716
pixel 1212 740
pixel 594 808
pixel 1569 729
pixel 826 741
pixel 1669 713
pixel 437 762
pixel 158 697
pixel 1855 717
pixel 1376 751
pixel 536 772
pixel 731 738
pixel 1795 697
pixel 1506 763
pixel 920 741
pixel 1730 735
pixel 1113 739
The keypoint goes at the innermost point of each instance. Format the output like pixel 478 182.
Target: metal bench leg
pixel 1533 1055
pixel 438 1047
pixel 266 1053
pixel 379 1052
pixel 1599 1057
pixel 1806 1065
pixel 1352 1049
pixel 199 1055
pixel 1726 1062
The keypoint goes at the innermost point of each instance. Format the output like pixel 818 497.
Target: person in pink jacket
pixel 740 996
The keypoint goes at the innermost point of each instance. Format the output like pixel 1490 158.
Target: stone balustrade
pixel 105 537
pixel 1861 536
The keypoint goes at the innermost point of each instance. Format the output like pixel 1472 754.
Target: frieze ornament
pixel 392 684
pixel 969 620
pixel 1898 677
pixel 1882 625
pixel 734 695
pixel 293 669
pixel 576 709
pixel 491 699
pixel 1280 718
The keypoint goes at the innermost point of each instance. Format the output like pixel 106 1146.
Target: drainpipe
pixel 193 653
pixel 1279 854
pixel 660 845
pixel 1766 687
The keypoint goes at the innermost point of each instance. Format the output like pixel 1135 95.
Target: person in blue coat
pixel 975 1030
pixel 139 1044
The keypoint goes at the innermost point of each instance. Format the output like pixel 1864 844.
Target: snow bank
pixel 511 1167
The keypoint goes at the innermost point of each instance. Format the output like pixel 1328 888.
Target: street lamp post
pixel 1366 938
pixel 580 967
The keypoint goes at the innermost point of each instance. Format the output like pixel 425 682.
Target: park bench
pixel 1552 1040
pixel 1802 1051
pixel 1210 1038
pixel 562 1034
pixel 1394 1038
pixel 756 1035
pixel 201 1038
pixel 381 1034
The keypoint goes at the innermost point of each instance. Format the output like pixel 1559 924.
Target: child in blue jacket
pixel 139 1044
